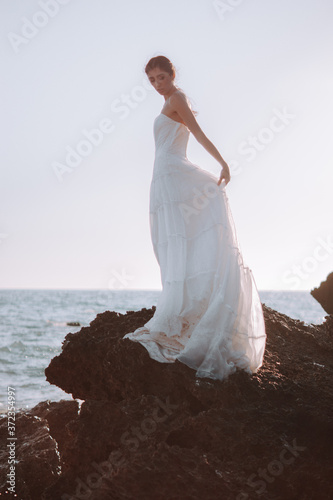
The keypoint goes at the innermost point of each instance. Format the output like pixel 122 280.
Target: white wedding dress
pixel 209 315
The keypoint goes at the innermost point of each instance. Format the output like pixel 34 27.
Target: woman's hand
pixel 225 174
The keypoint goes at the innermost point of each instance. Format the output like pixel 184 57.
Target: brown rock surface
pixel 150 430
pixel 324 294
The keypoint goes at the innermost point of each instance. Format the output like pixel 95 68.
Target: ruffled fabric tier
pixel 209 315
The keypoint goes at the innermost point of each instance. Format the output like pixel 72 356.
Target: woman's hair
pixel 166 65
pixel 163 63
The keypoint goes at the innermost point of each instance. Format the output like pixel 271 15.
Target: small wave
pixel 56 323
pixel 17 344
pixel 62 324
pixel 6 361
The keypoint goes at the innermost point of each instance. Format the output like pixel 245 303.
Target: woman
pixel 209 315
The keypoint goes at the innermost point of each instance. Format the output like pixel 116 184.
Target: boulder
pixel 324 294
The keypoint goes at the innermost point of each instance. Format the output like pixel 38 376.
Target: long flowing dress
pixel 208 315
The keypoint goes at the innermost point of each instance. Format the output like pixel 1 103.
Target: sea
pixel 33 324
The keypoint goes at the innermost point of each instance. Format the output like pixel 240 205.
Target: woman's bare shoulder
pixel 179 93
pixel 179 96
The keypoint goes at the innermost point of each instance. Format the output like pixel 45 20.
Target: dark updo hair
pixel 163 63
pixel 166 65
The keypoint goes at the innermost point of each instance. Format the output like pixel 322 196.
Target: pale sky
pixel 259 74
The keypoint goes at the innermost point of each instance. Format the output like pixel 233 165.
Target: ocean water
pixel 33 324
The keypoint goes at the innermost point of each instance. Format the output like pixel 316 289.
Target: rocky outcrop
pixel 37 451
pixel 149 430
pixel 324 294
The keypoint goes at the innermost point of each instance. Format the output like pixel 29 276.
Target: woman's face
pixel 161 80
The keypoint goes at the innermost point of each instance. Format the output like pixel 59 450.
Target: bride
pixel 208 315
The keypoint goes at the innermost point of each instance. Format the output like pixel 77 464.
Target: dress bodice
pixel 171 137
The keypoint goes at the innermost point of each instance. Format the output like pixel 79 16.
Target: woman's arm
pixel 178 103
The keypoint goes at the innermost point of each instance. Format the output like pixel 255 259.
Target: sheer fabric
pixel 209 315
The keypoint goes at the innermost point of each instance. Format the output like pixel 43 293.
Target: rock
pixel 149 430
pixel 37 454
pixel 324 294
pixel 73 323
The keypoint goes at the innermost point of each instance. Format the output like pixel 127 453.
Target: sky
pixel 77 134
